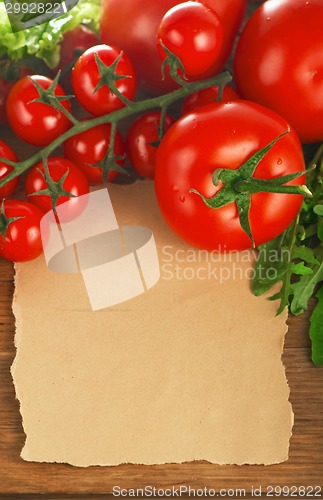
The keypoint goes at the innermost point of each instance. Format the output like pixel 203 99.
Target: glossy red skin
pixel 279 63
pixel 74 43
pixel 9 154
pixel 75 183
pixel 23 239
pixel 207 96
pixel 90 147
pixel 225 136
pixel 141 134
pixel 181 30
pixel 85 77
pixel 132 25
pixel 36 123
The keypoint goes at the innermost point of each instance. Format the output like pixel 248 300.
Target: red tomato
pixel 225 136
pixel 90 148
pixel 75 183
pixel 194 33
pixel 133 28
pixel 22 240
pixel 9 154
pixel 36 123
pixel 74 43
pixel 86 77
pixel 139 143
pixel 279 63
pixel 207 96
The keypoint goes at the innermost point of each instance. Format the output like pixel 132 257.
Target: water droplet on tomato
pixel 175 188
pixel 182 198
pixel 279 161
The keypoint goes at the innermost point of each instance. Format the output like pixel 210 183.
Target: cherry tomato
pixel 141 137
pixel 34 122
pixel 75 183
pixel 5 169
pixel 278 63
pixel 90 148
pixel 22 240
pixel 86 77
pixel 133 28
pixel 194 33
pixel 207 96
pixel 225 136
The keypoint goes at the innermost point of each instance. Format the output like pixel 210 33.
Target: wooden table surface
pixel 19 479
pixel 304 467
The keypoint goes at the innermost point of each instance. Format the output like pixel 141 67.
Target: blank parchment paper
pixel 189 370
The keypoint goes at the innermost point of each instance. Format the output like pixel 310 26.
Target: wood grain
pixel 304 467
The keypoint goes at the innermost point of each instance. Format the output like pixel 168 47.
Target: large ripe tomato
pixel 225 136
pixel 21 240
pixel 278 63
pixel 132 25
pixel 86 77
pixel 75 183
pixel 34 122
pixel 89 149
pixel 142 142
pixel 194 33
pixel 5 169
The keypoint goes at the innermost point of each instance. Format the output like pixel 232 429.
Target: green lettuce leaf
pixel 43 41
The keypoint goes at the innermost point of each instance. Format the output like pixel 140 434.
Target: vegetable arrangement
pixel 229 173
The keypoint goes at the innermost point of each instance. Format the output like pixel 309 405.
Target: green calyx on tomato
pixel 176 67
pixel 109 162
pixel 5 223
pixel 49 96
pixel 238 186
pixel 109 76
pixel 54 189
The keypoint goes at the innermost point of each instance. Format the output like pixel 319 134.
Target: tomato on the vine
pixel 207 96
pixel 142 142
pixel 8 153
pixel 20 236
pixel 224 136
pixel 193 32
pixel 90 77
pixel 133 28
pixel 74 183
pixel 35 122
pixel 88 151
pixel 278 63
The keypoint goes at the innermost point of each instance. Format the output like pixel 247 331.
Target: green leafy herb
pixel 295 259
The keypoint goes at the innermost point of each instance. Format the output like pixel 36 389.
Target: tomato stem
pixel 252 186
pixel 131 109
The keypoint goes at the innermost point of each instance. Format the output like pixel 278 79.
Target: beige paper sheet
pixel 189 370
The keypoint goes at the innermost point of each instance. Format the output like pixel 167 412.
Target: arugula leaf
pixel 316 329
pixel 295 259
pixel 43 41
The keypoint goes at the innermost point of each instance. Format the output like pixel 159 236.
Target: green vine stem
pixel 132 108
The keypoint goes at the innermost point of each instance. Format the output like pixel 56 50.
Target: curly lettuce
pixel 43 41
